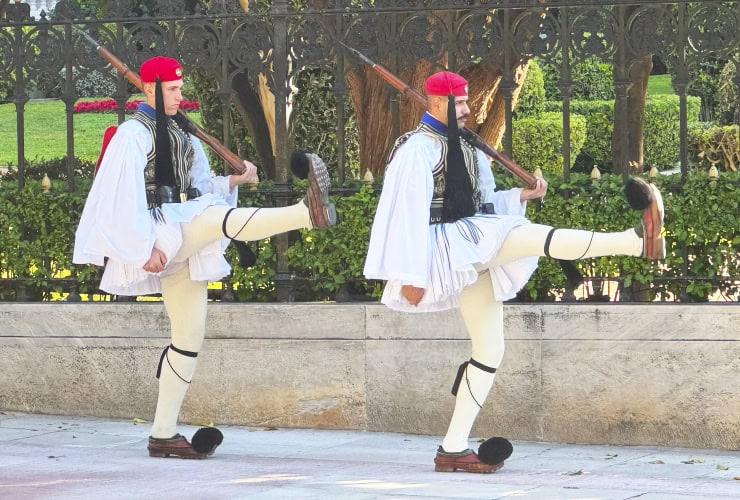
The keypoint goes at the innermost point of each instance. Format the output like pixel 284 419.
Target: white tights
pixel 243 224
pixel 483 314
pixel 185 300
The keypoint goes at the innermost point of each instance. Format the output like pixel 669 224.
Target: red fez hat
pixel 164 68
pixel 445 83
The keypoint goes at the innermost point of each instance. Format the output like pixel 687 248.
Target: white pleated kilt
pixel 209 264
pixel 459 250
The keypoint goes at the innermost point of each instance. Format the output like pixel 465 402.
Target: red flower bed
pixel 109 106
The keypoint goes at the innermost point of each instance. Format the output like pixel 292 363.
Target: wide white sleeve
pixel 115 220
pixel 400 247
pixel 505 202
pixel 203 178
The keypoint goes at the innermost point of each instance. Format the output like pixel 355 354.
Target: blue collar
pixel 148 110
pixel 437 125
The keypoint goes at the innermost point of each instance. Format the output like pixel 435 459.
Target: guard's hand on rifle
pixel 248 176
pixel 538 191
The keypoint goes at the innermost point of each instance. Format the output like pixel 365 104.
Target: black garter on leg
pixel 495 450
pixel 206 439
pixel 189 354
pixel 461 371
pixel 247 257
pixel 572 275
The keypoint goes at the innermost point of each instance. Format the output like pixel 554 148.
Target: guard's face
pixel 462 111
pixel 171 95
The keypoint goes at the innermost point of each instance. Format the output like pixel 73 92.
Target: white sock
pixel 484 319
pixel 185 301
pixel 172 389
pixel 567 244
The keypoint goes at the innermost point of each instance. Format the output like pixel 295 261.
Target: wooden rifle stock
pixel 232 159
pixel 476 140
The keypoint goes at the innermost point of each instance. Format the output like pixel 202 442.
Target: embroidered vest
pixel 183 153
pixel 438 169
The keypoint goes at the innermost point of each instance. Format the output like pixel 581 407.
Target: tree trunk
pixel 639 74
pixel 372 103
pixel 371 99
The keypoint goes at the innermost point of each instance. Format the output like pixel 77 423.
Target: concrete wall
pixel 606 373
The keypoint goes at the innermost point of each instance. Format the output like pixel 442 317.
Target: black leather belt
pixel 155 196
pixel 435 213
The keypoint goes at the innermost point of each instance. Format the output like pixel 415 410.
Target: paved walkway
pixel 60 457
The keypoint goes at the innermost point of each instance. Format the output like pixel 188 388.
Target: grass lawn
pixel 46 131
pixel 660 84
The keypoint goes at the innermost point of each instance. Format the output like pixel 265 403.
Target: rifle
pixel 476 140
pixel 232 159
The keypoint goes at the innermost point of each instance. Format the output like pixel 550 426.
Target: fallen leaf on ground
pixel 574 473
pixel 693 461
pixel 722 467
pixel 138 420
pixel 202 423
pixel 657 462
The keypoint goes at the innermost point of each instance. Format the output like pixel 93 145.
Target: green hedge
pixel 700 215
pixel 661 130
pixel 537 141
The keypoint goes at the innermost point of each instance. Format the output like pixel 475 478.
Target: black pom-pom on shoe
pixel 495 450
pixel 206 440
pixel 638 193
pixel 299 163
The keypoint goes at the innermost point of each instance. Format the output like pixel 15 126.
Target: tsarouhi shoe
pixel 205 442
pixel 650 228
pixel 644 196
pixel 466 461
pixel 323 213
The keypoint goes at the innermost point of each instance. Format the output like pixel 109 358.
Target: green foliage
pixel 332 259
pixel 592 79
pixel 719 145
pixel 532 96
pixel 704 219
pixel 537 141
pixel 37 235
pixel 315 108
pixel 661 130
pixel 727 96
pixel 704 78
pixel 94 83
pixel 700 215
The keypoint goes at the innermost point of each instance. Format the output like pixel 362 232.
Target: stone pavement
pixel 63 457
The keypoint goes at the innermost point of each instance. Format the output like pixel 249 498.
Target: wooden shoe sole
pixel 652 227
pixel 322 211
pixel 465 461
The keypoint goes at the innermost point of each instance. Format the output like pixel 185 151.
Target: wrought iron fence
pixel 273 42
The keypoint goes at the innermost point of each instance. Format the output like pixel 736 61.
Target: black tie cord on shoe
pixel 226 218
pixel 189 354
pixel 547 241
